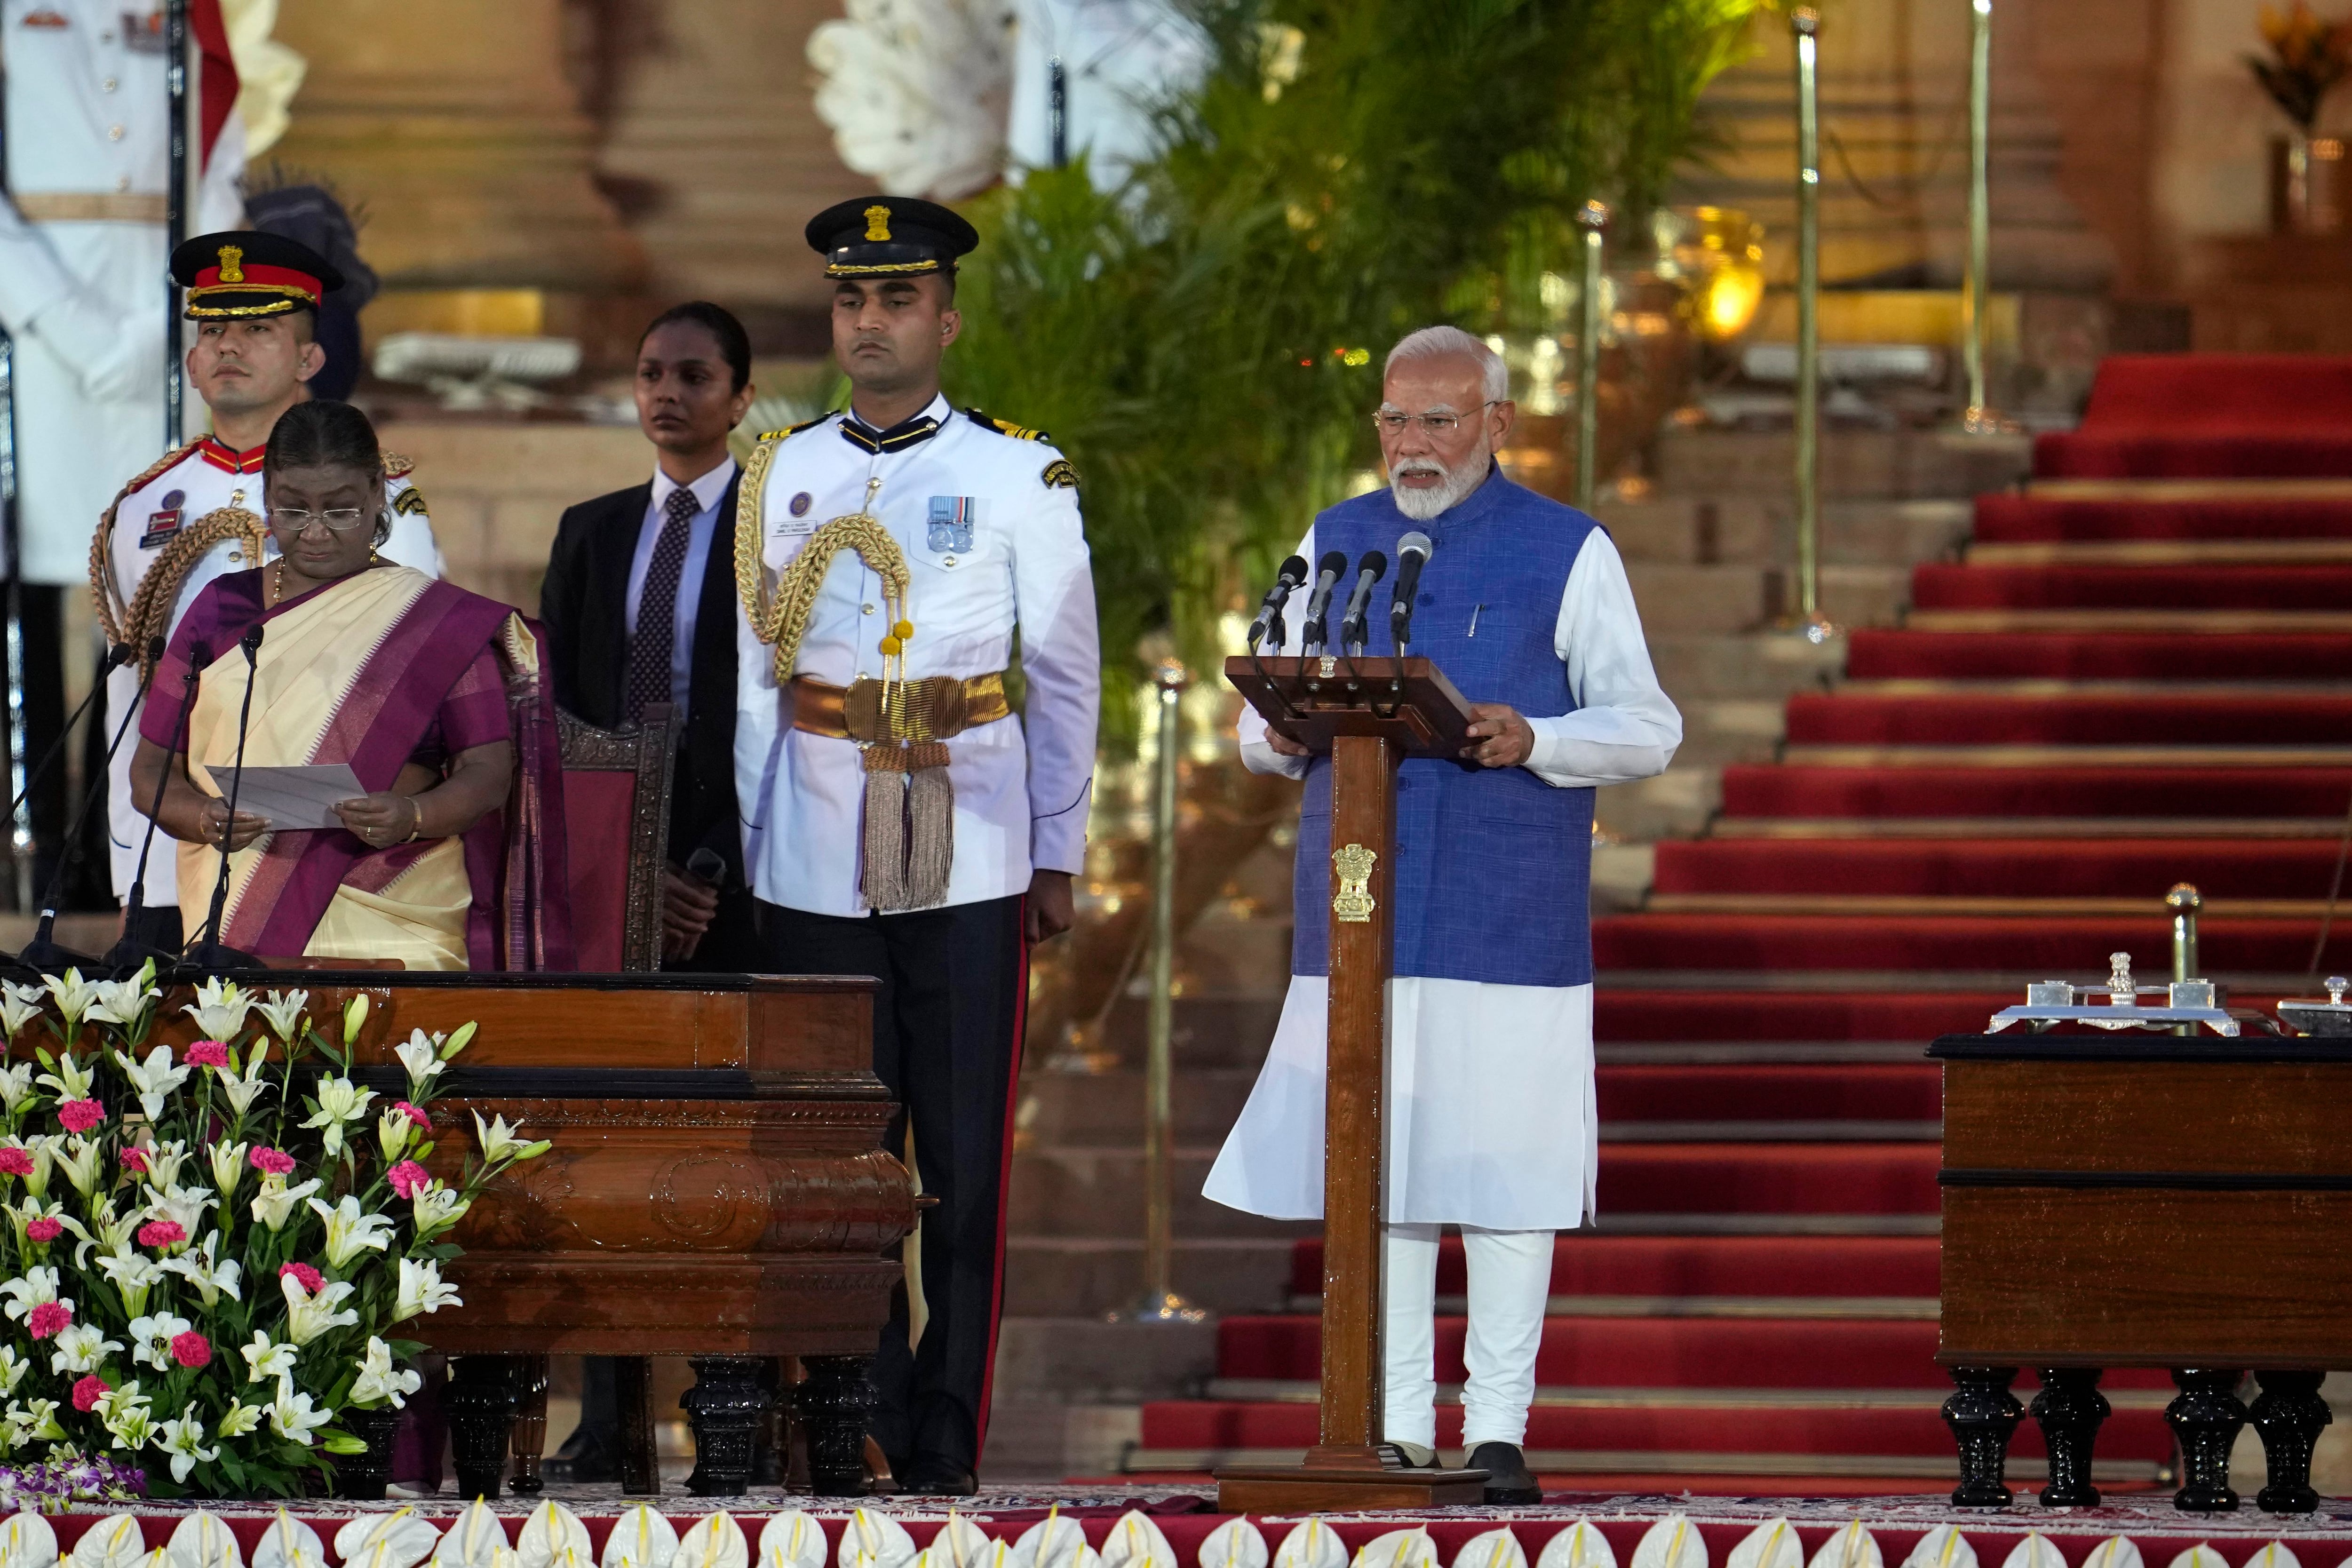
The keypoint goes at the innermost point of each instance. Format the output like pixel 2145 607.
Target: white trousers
pixel 1510 1283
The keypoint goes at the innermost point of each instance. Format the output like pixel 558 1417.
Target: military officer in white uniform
pixel 901 820
pixel 198 512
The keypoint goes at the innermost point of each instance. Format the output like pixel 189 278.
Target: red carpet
pixel 1761 1284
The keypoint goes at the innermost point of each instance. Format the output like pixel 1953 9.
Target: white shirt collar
pixel 707 490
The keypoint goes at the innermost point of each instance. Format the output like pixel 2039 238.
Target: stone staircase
pixel 1708 549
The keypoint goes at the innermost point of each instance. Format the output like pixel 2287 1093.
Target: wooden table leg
pixel 2206 1416
pixel 833 1402
pixel 529 1442
pixel 726 1406
pixel 633 1397
pixel 1982 1415
pixel 481 1406
pixel 2069 1408
pixel 2288 1416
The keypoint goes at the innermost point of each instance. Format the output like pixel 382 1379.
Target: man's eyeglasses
pixel 294 519
pixel 1388 421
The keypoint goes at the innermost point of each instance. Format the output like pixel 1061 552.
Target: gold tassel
pixel 886 827
pixel 930 814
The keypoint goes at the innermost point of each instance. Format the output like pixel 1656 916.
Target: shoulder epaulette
pixel 792 429
pixel 397 466
pixel 111 611
pixel 1005 426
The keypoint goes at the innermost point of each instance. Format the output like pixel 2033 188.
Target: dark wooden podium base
pixel 1343 1481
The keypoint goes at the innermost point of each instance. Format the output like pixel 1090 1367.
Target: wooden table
pixel 717 1190
pixel 2142 1200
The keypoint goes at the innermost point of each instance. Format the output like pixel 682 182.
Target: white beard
pixel 1422 505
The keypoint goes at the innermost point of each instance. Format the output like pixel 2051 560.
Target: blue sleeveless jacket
pixel 1493 865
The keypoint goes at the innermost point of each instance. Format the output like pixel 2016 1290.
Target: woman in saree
pixel 432 695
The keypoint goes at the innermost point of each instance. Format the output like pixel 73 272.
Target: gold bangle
pixel 416 818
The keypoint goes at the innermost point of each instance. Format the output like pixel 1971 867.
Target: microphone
pixel 117 655
pixel 1312 636
pixel 1269 613
pixel 1369 571
pixel 1413 554
pixel 43 952
pixel 199 656
pixel 209 953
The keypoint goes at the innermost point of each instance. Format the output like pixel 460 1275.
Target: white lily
pixel 421 1289
pixel 81 1348
pixel 420 1056
pixel 35 1287
pixel 276 1202
pixel 152 1337
pixel 293 1416
pixel 19 1005
pixel 339 1100
pixel 183 1437
pixel 265 1358
pixel 164 1162
pixel 437 1206
pixel 73 994
pixel 379 1380
pixel 351 1230
pixel 497 1140
pixel 13 1368
pixel 227 1162
pixel 80 1158
pixel 212 1280
pixel 394 1133
pixel 283 1013
pixel 110 1233
pixel 71 1079
pixel 15 1085
pixel 123 1001
pixel 185 1206
pixel 308 1316
pixel 355 1012
pixel 129 1414
pixel 219 1008
pixel 153 1079
pixel 134 1275
pixel 239 1419
pixel 43 1150
pixel 34 1421
pixel 241 1089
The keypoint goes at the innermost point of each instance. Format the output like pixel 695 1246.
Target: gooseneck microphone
pixel 128 951
pixel 210 953
pixel 1312 636
pixel 1268 623
pixel 117 655
pixel 1413 554
pixel 42 952
pixel 1352 633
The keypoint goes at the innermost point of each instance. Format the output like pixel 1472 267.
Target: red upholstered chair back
pixel 616 785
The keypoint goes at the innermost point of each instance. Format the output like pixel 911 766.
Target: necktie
pixel 651 649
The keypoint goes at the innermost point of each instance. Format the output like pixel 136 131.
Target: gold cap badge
pixel 877 222
pixel 232 264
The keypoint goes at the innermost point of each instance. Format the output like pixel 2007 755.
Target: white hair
pixel 1445 342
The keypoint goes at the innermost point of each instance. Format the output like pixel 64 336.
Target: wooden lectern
pixel 1367 715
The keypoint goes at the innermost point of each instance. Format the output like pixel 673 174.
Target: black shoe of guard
pixel 1509 1483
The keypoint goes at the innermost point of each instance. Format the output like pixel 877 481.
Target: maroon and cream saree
pixel 383 667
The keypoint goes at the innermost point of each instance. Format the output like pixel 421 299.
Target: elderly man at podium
pixel 1525 605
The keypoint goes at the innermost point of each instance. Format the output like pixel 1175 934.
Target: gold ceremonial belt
pixel 933 709
pixel 90 207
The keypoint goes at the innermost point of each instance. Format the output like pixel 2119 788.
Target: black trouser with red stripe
pixel 946 1042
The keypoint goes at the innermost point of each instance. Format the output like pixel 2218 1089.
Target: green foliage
pixel 1205 344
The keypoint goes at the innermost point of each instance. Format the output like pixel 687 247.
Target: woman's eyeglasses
pixel 294 519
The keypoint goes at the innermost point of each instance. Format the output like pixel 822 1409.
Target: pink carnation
pixel 206 1054
pixel 191 1349
pixel 44 1230
pixel 89 1391
pixel 307 1277
pixel 162 1233
pixel 81 1115
pixel 48 1319
pixel 135 1158
pixel 271 1161
pixel 423 1122
pixel 408 1178
pixel 16 1161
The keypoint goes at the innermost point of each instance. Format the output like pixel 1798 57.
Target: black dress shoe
pixel 1510 1484
pixel 936 1477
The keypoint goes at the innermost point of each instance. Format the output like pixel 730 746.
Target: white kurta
pixel 1490 1105
pixel 83 298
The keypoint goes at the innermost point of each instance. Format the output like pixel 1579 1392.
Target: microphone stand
pixel 209 956
pixel 129 954
pixel 43 952
pixel 117 657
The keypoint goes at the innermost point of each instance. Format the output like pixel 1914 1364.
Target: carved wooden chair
pixel 617 798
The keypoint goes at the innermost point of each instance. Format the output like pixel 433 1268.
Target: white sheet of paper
pixel 293 799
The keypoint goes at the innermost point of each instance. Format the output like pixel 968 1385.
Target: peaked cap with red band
pixel 243 273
